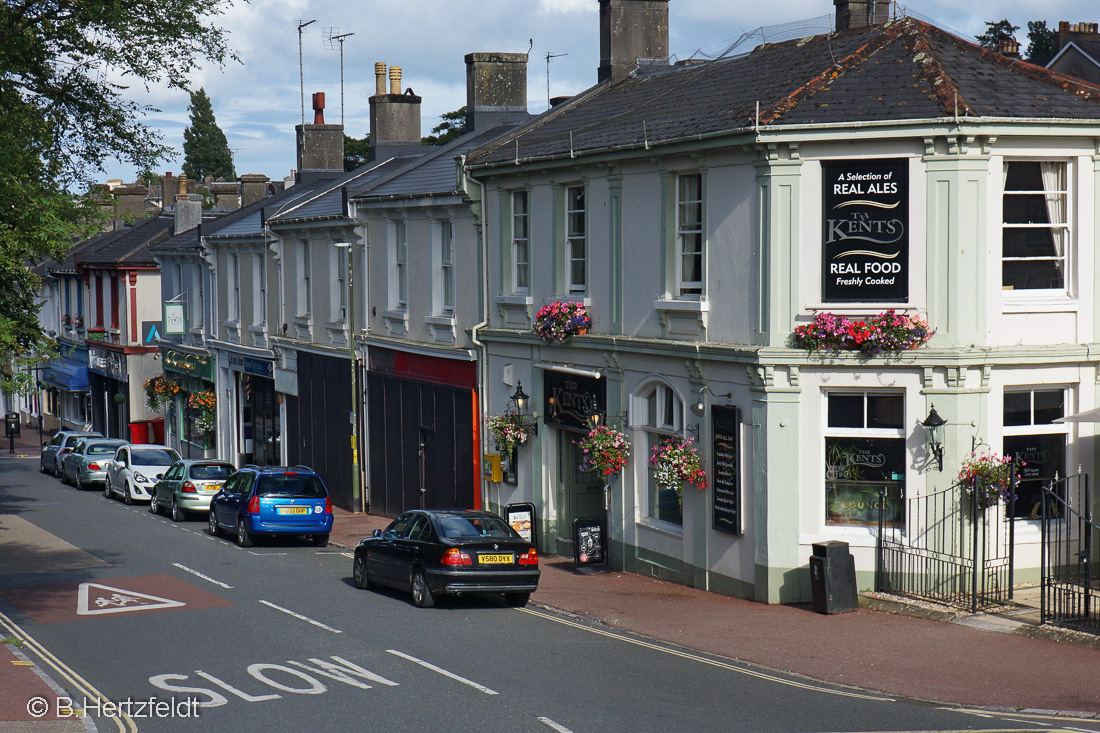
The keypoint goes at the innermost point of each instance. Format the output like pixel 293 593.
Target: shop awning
pixel 67 375
pixel 1092 415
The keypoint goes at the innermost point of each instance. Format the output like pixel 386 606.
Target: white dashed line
pixel 443 672
pixel 300 616
pixel 556 726
pixel 200 575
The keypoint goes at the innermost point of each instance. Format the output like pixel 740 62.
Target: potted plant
pixel 557 322
pixel 886 332
pixel 605 451
pixel 160 390
pixel 677 461
pixel 203 404
pixel 986 478
pixel 508 431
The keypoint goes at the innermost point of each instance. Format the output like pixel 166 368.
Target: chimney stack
pixel 631 30
pixel 1075 33
pixel 253 188
pixel 1008 48
pixel 860 13
pixel 320 146
pixel 496 89
pixel 394 117
pixel 188 210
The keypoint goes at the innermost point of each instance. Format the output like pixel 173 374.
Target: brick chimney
pixel 496 89
pixel 188 211
pixel 1009 48
pixel 320 146
pixel 860 13
pixel 253 188
pixel 394 117
pixel 631 30
pixel 1076 33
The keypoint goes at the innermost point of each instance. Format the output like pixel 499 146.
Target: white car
pixel 136 469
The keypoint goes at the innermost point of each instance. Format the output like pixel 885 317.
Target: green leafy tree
pixel 453 125
pixel 356 152
pixel 1042 42
pixel 995 32
pixel 64 116
pixel 205 149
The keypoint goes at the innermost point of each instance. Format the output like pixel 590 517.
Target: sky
pixel 257 102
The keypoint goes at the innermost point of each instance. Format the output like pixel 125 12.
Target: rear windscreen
pixel 299 486
pixel 102 449
pixel 154 457
pixel 211 470
pixel 459 527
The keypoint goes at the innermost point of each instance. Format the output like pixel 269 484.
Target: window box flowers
pixel 677 461
pixel 557 322
pixel 204 405
pixel 508 431
pixel 604 450
pixel 986 478
pixel 160 390
pixel 888 331
pixel 78 321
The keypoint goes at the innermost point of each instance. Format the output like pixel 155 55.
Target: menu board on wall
pixel 726 484
pixel 865 245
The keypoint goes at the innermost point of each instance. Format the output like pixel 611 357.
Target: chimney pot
pixel 318 108
pixel 183 184
pixel 379 78
pixel 395 80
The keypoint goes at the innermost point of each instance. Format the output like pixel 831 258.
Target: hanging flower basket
pixel 508 431
pixel 78 321
pixel 160 390
pixel 886 332
pixel 556 323
pixel 677 461
pixel 204 405
pixel 987 478
pixel 605 451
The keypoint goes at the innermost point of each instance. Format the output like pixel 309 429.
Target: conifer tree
pixel 205 149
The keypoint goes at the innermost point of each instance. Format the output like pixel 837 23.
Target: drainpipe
pixel 482 376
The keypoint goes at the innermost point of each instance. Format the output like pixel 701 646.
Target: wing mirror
pixel 376 533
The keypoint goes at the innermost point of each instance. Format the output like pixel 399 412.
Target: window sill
pixel 677 304
pixel 584 300
pixel 1019 302
pixel 447 321
pixel 657 526
pixel 513 300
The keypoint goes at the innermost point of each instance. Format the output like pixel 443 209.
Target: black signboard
pixel 590 545
pixel 726 483
pixel 570 398
pixel 865 248
pixel 521 518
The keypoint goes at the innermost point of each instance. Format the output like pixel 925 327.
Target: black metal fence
pixel 946 549
pixel 1071 539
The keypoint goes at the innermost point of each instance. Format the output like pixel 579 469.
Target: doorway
pixel 582 491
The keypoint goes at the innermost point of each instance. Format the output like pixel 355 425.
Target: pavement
pixel 1003 661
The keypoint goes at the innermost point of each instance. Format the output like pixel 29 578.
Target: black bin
pixel 833 578
pixel 11 424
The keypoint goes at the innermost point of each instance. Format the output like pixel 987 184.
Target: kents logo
pixel 861 225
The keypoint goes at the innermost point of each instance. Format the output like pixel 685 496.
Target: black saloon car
pixel 432 553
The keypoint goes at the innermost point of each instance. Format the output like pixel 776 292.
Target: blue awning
pixel 67 375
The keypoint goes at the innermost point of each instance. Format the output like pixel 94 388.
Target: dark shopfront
pixel 259 427
pixel 109 387
pixel 195 375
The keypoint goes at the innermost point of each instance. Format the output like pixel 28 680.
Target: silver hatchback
pixel 86 465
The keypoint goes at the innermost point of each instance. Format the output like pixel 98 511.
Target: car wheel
pixel 359 574
pixel 64 477
pixel 126 497
pixel 79 484
pixel 42 467
pixel 320 540
pixel 154 505
pixel 244 537
pixel 107 489
pixel 517 600
pixel 422 594
pixel 212 524
pixel 177 513
pixel 56 471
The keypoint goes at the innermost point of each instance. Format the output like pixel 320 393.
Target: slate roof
pixel 130 246
pixel 185 241
pixel 327 201
pixel 901 70
pixel 249 221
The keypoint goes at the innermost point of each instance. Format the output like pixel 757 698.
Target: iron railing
pixel 1071 539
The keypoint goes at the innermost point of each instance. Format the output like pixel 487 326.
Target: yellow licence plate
pixel 495 559
pixel 292 510
pixel 211 488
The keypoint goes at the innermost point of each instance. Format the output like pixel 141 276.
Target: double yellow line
pixel 78 684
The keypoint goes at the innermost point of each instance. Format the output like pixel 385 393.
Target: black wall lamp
pixel 700 407
pixel 933 435
pixel 522 402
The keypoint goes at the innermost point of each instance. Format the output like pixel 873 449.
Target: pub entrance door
pixel 581 491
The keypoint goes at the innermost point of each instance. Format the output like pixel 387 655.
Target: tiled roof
pixel 902 70
pixel 184 241
pixel 327 201
pixel 130 246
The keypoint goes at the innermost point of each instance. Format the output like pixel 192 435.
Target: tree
pixel 1042 42
pixel 453 125
pixel 65 114
pixel 995 32
pixel 356 152
pixel 205 149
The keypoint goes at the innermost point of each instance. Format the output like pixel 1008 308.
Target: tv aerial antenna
pixel 301 76
pixel 333 36
pixel 548 57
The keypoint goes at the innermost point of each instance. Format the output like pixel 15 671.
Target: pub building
pixel 193 370
pixel 705 211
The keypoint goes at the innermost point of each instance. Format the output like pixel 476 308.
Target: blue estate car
pixel 272 501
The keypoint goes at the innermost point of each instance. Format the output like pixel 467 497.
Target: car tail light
pixel 529 558
pixel 455 556
pixel 94 467
pixel 328 505
pixel 188 488
pixel 254 505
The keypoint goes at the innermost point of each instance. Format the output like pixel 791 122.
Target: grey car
pixel 54 449
pixel 86 465
pixel 188 485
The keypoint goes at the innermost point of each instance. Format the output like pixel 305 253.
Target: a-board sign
pixel 521 517
pixel 590 545
pixel 726 486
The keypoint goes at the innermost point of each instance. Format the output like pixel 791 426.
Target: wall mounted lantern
pixel 522 402
pixel 933 435
pixel 700 407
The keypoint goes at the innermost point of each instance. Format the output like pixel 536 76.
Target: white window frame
pixel 651 399
pixel 305 280
pixel 446 267
pixel 688 231
pixel 234 314
pixel 338 260
pixel 521 243
pixel 259 303
pixel 1064 228
pixel 400 265
pixel 576 238
pixel 1043 429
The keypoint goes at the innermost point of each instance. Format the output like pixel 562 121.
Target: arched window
pixel 663 413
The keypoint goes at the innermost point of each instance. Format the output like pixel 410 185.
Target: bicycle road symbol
pixel 94 599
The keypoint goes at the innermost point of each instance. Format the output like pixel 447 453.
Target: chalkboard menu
pixel 726 482
pixel 521 518
pixel 590 545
